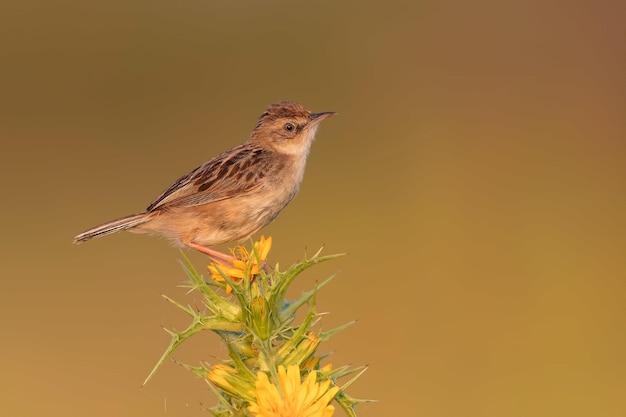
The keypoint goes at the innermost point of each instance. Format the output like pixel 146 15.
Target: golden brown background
pixel 476 173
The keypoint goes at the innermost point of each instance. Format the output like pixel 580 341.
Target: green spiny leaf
pixel 360 370
pixel 298 335
pixel 278 292
pixel 329 333
pixel 292 307
pixel 217 304
pixel 199 324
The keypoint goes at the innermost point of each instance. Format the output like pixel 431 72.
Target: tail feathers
pixel 124 223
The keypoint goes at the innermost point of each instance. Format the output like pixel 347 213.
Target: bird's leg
pixel 215 255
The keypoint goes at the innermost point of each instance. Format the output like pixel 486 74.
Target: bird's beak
pixel 318 117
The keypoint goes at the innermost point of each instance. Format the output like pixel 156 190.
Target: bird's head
pixel 288 128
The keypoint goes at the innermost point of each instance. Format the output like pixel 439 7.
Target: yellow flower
pixel 262 248
pixel 244 263
pixel 294 398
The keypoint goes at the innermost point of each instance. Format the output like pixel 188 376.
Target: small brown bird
pixel 235 194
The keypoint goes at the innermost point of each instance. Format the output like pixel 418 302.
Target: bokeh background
pixel 476 174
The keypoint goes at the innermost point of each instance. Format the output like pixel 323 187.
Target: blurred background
pixel 475 172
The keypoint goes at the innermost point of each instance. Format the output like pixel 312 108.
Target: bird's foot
pixel 215 255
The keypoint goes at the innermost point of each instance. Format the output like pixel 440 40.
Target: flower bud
pixel 260 318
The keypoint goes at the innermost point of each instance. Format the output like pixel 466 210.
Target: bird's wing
pixel 233 173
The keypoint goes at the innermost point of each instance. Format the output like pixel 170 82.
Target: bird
pixel 235 194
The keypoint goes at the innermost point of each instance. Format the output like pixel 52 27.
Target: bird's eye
pixel 289 127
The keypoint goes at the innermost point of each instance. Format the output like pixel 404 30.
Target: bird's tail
pixel 113 226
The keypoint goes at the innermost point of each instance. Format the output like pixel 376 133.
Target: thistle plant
pixel 273 368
